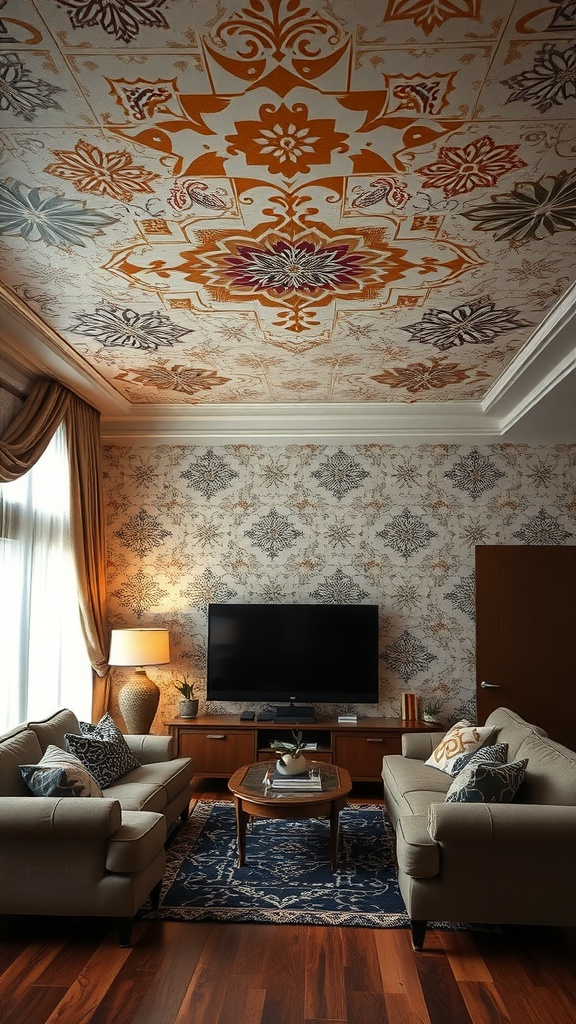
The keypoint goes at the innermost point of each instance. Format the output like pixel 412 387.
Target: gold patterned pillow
pixel 462 738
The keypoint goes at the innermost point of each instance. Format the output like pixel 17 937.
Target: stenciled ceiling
pixel 276 201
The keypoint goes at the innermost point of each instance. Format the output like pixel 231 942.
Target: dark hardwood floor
pixel 70 971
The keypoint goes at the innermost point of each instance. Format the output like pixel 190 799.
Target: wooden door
pixel 526 635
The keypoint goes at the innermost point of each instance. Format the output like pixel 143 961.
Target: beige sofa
pixel 87 856
pixel 498 863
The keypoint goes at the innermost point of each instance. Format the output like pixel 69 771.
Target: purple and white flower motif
pixel 122 20
pixel 285 268
pixel 23 95
pixel 463 596
pixel 474 474
pixel 273 533
pixel 52 219
pixel 142 533
pixel 124 328
pixel 407 656
pixel 542 529
pixel 340 474
pixel 475 323
pixel 407 534
pixel 550 82
pixel 339 588
pixel 209 474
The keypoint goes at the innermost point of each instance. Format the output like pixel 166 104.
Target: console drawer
pixel 218 752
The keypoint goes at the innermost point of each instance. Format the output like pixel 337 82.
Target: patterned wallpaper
pixel 365 523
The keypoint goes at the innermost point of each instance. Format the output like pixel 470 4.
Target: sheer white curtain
pixel 45 664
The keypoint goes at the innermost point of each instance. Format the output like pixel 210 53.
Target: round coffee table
pixel 254 797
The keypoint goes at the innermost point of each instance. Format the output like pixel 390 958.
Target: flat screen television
pixel 293 652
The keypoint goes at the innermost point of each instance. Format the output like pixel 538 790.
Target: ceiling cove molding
pixel 28 343
pixel 544 361
pixel 302 424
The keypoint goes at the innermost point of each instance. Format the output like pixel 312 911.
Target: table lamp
pixel 138 699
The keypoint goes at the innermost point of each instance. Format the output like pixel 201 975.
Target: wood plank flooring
pixel 70 971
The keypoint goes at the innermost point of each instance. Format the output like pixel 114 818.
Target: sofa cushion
pixel 173 776
pixel 551 773
pixel 418 855
pixel 20 746
pixel 487 783
pixel 462 738
pixel 135 844
pixel 137 796
pixel 102 750
pixel 511 729
pixel 59 773
pixel 494 753
pixel 53 729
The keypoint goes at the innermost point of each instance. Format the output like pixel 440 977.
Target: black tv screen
pixel 302 652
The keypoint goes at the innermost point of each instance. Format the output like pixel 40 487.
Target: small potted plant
pixel 291 761
pixel 188 706
pixel 431 709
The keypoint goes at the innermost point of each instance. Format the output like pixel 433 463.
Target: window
pixel 45 664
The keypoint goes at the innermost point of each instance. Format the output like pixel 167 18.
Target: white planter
pixel 188 708
pixel 288 765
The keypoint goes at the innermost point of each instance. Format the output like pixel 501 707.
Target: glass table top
pixel 259 777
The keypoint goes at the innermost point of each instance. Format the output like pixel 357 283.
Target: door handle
pixel 490 686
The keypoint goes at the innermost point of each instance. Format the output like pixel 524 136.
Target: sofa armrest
pixel 420 745
pixel 40 818
pixel 509 824
pixel 150 749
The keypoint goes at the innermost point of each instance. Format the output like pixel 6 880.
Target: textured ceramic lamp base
pixel 138 702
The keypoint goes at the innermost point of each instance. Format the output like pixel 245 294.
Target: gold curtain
pixel 22 444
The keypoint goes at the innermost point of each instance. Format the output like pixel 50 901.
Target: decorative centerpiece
pixel 291 760
pixel 188 707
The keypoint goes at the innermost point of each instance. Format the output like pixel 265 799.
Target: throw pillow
pixel 462 738
pixel 59 773
pixel 102 750
pixel 493 753
pixel 488 783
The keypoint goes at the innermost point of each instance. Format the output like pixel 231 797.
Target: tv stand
pixel 297 713
pixel 220 744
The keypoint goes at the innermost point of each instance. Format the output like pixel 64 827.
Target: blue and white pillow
pixel 495 753
pixel 59 773
pixel 488 783
pixel 103 750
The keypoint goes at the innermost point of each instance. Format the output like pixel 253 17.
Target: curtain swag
pixel 23 442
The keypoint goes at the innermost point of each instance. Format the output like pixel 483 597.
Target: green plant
pixel 281 747
pixel 432 707
pixel 185 688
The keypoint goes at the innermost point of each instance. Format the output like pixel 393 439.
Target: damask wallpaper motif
pixel 365 523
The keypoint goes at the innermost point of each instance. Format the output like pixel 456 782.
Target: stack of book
pixel 307 782
pixel 410 707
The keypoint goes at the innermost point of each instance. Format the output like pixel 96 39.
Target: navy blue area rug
pixel 286 878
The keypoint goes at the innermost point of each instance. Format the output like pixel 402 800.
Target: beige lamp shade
pixel 139 698
pixel 140 647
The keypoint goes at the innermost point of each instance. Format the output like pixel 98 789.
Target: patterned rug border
pixel 187 836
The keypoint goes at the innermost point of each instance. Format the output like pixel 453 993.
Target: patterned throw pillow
pixel 488 783
pixel 103 750
pixel 59 773
pixel 494 753
pixel 462 738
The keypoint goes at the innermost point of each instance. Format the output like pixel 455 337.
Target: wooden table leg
pixel 241 821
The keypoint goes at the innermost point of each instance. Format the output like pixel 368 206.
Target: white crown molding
pixel 547 358
pixel 304 423
pixel 33 349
